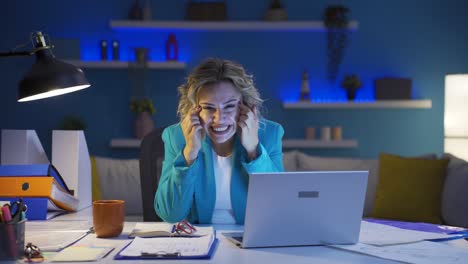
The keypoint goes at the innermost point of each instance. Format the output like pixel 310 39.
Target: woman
pixel 220 139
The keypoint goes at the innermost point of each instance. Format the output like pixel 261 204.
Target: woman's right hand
pixel 192 129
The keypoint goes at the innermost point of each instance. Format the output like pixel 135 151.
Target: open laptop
pixel 303 208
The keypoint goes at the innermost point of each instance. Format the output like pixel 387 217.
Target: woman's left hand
pixel 248 124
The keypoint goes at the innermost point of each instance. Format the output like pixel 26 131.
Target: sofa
pixel 121 179
pixel 454 194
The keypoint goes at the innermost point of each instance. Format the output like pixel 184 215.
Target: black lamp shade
pixel 50 77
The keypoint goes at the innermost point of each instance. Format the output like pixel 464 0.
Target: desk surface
pixel 226 251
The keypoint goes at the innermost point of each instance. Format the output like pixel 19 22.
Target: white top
pixel 223 209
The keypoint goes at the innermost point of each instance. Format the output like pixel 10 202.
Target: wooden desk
pixel 227 252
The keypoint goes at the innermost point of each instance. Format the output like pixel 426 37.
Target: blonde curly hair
pixel 214 70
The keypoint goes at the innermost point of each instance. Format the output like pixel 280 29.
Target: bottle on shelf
pixel 103 45
pixel 305 89
pixel 172 50
pixel 115 50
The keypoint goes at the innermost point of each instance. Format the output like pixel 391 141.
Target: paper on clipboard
pixel 174 246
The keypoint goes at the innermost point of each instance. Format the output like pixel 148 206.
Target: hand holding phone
pixel 248 124
pixel 193 134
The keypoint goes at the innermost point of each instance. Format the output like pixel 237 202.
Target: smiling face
pixel 219 104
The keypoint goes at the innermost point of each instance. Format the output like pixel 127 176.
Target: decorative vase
pixel 135 12
pixel 351 93
pixel 141 55
pixel 143 124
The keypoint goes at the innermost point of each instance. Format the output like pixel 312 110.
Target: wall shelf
pixel 305 143
pixel 421 104
pixel 223 25
pixel 287 143
pixel 125 64
pixel 125 143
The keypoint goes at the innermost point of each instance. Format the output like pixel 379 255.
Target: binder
pixel 36 180
pixel 37 207
pixel 34 170
pixel 168 255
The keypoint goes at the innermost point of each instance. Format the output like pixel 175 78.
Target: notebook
pixel 163 229
pixel 82 253
pixel 303 208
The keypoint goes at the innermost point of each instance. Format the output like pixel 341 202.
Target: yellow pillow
pixel 96 189
pixel 409 189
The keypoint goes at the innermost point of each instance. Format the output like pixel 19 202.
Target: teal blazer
pixel 189 192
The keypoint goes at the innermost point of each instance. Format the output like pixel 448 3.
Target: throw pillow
pixel 314 163
pixel 454 194
pixel 409 189
pixel 290 160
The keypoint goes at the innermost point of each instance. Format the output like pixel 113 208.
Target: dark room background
pixel 418 39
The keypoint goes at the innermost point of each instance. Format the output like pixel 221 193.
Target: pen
pixel 6 214
pixel 10 229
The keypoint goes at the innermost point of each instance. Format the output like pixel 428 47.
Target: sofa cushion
pixel 409 189
pixel 119 179
pixel 290 160
pixel 313 163
pixel 455 194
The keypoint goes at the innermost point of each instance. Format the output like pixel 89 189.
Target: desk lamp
pixel 48 76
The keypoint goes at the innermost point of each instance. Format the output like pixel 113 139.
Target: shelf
pixel 422 104
pixel 125 143
pixel 224 25
pixel 287 143
pixel 125 64
pixel 304 143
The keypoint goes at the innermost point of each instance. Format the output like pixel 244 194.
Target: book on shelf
pixel 163 229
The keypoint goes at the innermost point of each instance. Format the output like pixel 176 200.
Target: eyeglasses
pixel 33 253
pixel 184 227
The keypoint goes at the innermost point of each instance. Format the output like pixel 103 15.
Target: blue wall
pixel 420 39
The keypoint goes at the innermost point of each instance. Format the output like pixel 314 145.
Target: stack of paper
pixel 55 235
pixel 405 245
pixel 384 235
pixel 169 247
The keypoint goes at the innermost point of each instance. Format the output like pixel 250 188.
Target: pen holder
pixel 12 240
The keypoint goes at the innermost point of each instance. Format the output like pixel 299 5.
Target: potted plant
pixel 351 83
pixel 276 12
pixel 336 21
pixel 144 122
pixel 72 122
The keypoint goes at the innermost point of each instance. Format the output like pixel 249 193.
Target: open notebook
pixel 163 229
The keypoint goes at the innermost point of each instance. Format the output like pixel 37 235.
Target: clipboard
pixel 168 255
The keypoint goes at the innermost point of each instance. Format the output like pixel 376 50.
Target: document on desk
pixel 424 252
pixel 169 247
pixel 55 235
pixel 384 235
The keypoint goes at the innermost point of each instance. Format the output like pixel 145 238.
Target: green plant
pixel 140 105
pixel 336 20
pixel 72 122
pixel 276 4
pixel 351 81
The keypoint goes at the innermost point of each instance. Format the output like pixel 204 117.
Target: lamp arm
pixel 17 53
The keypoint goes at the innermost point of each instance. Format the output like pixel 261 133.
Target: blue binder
pixel 169 255
pixel 31 170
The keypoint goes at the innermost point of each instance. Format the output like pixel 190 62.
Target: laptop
pixel 303 208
